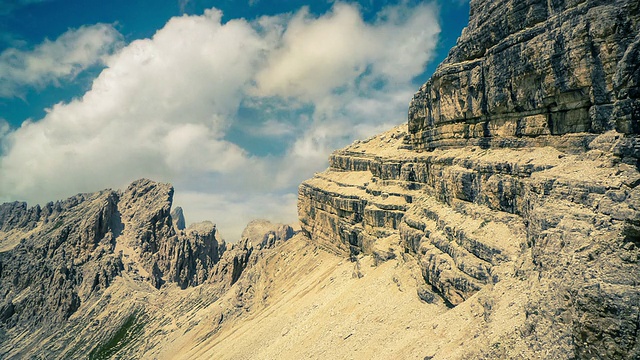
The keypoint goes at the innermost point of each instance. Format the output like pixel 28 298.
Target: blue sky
pixel 234 102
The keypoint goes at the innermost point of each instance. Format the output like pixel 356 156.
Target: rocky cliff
pixel 531 177
pixel 83 268
pixel 524 72
pixel 65 252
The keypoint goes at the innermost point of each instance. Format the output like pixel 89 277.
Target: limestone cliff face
pixel 475 217
pixel 524 71
pixel 61 255
pixel 531 178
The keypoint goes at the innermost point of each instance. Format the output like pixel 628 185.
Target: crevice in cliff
pixel 440 294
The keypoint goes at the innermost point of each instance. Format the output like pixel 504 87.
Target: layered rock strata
pixel 525 71
pixel 474 217
pixel 531 177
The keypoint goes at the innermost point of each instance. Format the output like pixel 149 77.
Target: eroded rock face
pixel 531 178
pixel 57 256
pixel 524 71
pixel 164 253
pixel 64 254
pixel 474 217
pixel 445 209
pixel 258 235
pixel 264 234
pixel 178 218
pixel 79 273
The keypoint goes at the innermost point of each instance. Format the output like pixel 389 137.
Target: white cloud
pixel 272 128
pixel 4 131
pixel 52 61
pixel 318 55
pixel 164 106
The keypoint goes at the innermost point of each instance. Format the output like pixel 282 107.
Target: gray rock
pixel 67 250
pixel 76 273
pixel 64 255
pixel 264 234
pixel 523 71
pixel 425 295
pixel 177 215
pixel 531 177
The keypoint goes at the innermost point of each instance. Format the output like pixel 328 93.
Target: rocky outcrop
pixel 80 275
pixel 195 253
pixel 162 252
pixel 474 217
pixel 258 235
pixel 264 234
pixel 531 178
pixel 57 256
pixel 63 255
pixel 178 218
pixel 525 71
pixel 457 214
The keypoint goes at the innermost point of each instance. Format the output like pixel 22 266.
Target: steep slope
pixel 309 303
pixel 94 273
pixel 531 178
pixel 474 218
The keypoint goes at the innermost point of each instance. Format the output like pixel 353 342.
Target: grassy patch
pixel 130 330
pixel 57 224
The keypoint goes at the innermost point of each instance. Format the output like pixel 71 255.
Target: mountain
pixel 514 183
pixel 502 221
pixel 80 276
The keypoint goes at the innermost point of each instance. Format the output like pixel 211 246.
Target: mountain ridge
pixel 501 221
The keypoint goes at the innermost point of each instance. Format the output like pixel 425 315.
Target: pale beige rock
pixel 477 219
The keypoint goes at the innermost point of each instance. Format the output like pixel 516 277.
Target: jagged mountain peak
pixel 178 218
pixel 61 265
pixel 93 238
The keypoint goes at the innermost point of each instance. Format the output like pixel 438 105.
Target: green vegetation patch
pixel 57 224
pixel 128 332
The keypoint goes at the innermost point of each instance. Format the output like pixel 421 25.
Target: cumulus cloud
pixel 198 104
pixel 320 55
pixel 53 61
pixel 4 131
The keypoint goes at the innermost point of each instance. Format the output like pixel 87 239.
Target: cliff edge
pixel 524 72
pixel 514 184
